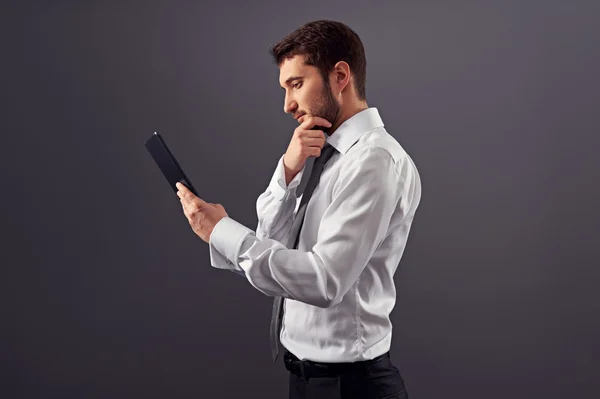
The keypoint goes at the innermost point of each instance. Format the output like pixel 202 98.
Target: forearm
pixel 275 207
pixel 276 270
pixel 275 216
pixel 289 174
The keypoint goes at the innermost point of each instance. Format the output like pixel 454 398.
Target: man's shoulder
pixel 379 140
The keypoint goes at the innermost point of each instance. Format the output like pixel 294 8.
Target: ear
pixel 341 76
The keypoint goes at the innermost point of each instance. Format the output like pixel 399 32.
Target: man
pixel 343 246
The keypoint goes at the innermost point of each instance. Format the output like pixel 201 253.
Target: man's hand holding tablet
pixel 202 216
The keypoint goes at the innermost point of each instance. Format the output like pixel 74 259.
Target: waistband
pixel 308 368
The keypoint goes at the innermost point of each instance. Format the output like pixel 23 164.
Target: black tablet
pixel 167 163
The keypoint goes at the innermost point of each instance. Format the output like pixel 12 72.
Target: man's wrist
pixel 289 173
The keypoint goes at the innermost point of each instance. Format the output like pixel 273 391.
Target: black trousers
pixel 371 379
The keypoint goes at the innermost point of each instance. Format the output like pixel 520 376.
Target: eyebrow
pixel 291 79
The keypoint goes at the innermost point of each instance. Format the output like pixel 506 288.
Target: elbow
pixel 323 303
pixel 329 290
pixel 319 301
pixel 335 301
pixel 327 302
pixel 331 293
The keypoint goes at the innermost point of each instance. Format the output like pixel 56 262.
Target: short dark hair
pixel 324 43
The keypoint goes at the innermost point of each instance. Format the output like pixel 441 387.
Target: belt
pixel 310 369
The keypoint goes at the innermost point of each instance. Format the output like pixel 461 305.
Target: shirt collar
pixel 353 128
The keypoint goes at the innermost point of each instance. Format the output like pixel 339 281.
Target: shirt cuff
pixel 225 243
pixel 277 185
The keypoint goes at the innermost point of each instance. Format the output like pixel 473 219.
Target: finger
pixel 182 192
pixel 315 151
pixel 186 193
pixel 317 134
pixel 311 121
pixel 314 142
pixel 185 202
pixel 185 211
pixel 183 188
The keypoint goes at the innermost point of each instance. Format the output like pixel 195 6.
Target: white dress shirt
pixel 338 284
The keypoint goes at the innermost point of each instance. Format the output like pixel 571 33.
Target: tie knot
pixel 326 153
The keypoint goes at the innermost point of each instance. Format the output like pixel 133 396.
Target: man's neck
pixel 347 114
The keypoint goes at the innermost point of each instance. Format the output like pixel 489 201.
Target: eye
pixel 297 85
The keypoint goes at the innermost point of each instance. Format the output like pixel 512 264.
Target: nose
pixel 289 105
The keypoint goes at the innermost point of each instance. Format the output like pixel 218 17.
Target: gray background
pixel 107 293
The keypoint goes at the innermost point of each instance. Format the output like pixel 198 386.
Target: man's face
pixel 306 92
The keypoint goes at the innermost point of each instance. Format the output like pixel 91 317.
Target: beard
pixel 326 107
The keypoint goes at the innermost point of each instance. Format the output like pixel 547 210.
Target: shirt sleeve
pixel 354 225
pixel 275 209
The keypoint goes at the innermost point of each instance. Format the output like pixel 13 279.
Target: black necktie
pixel 277 313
